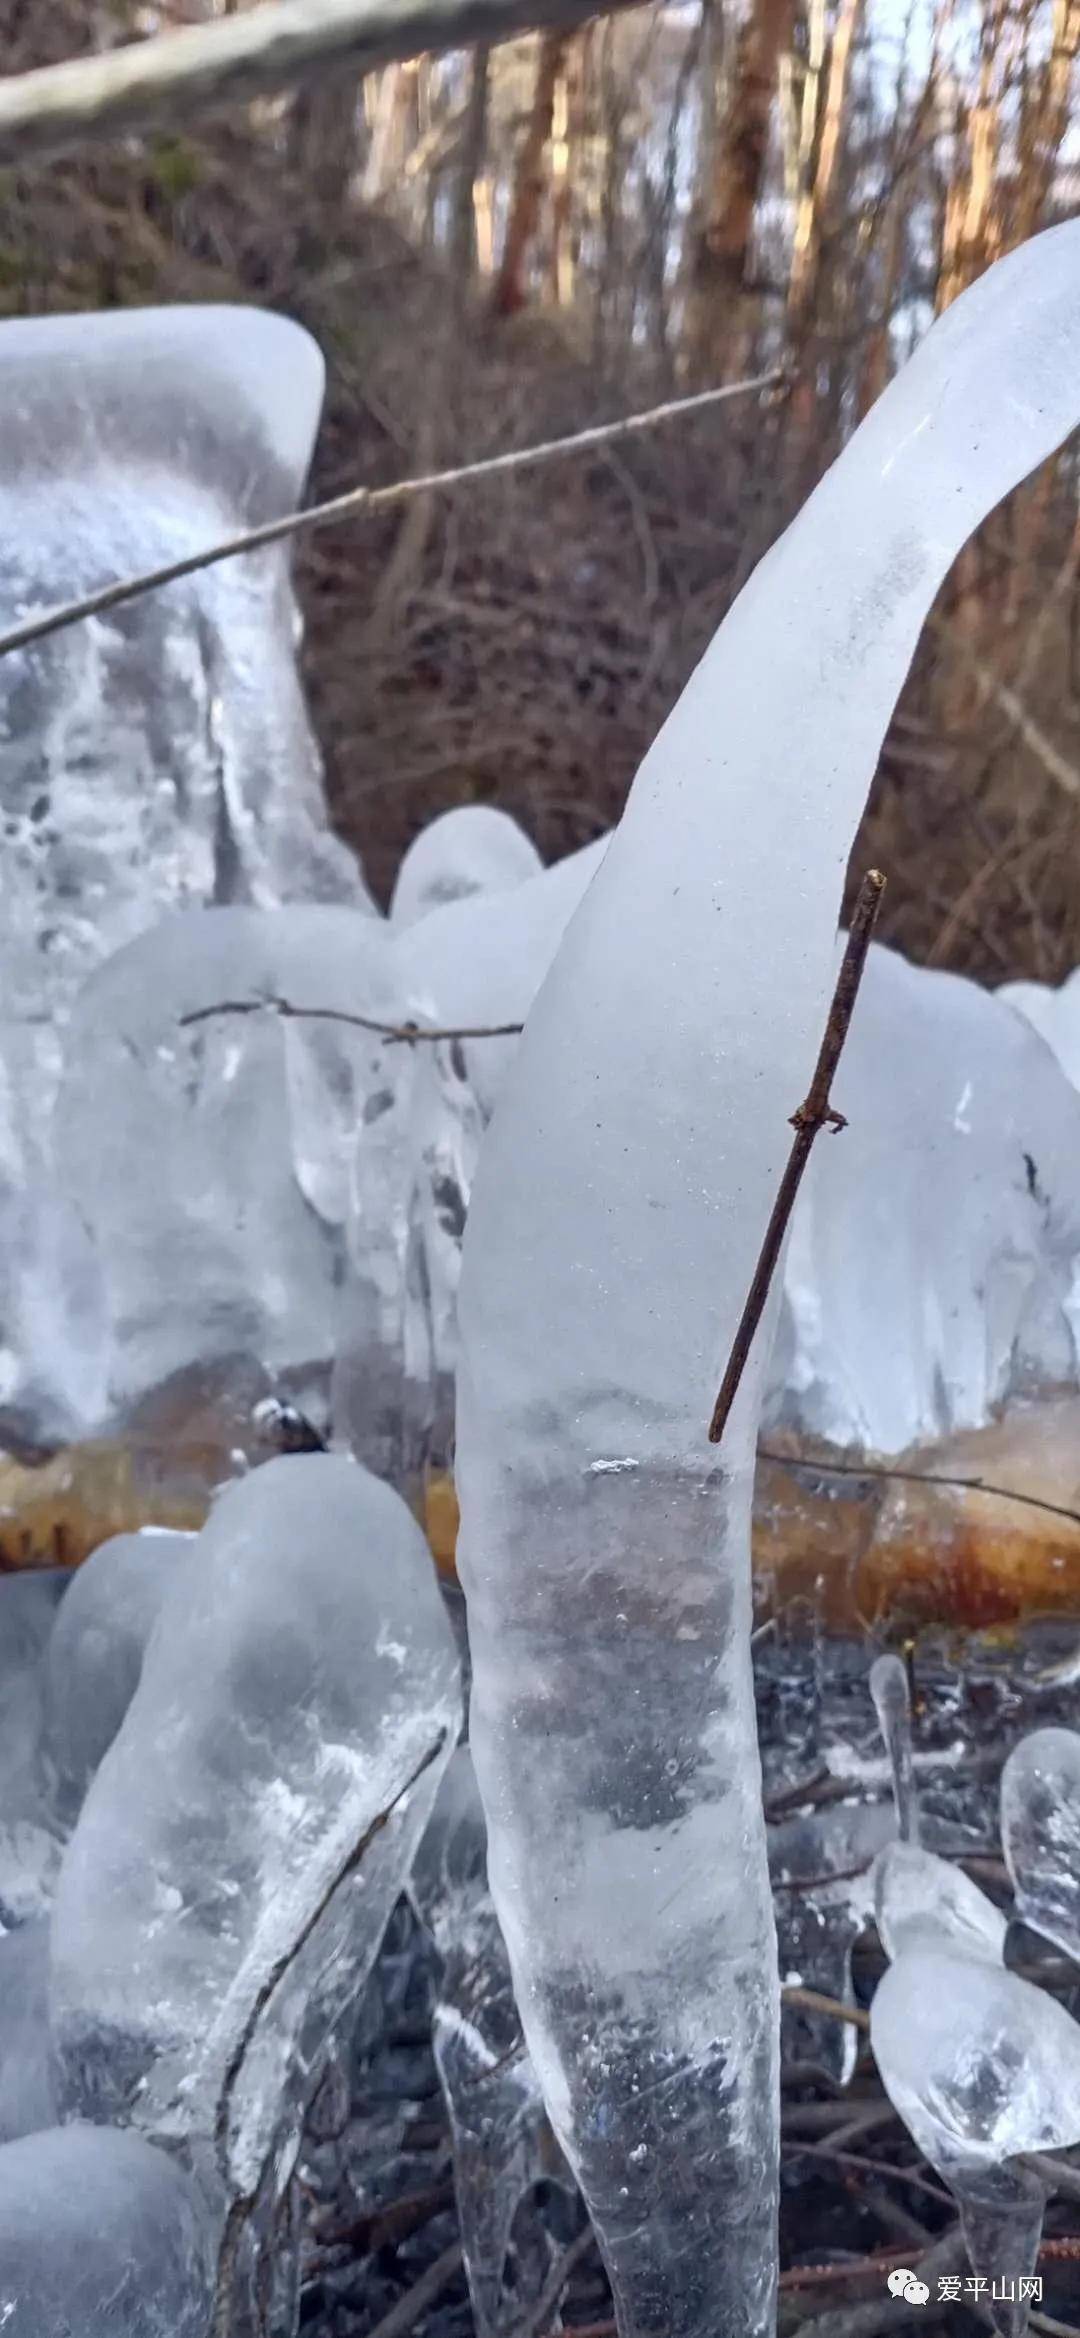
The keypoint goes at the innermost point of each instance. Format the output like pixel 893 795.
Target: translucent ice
pixel 496 2110
pixel 159 756
pixel 95 1651
pixel 922 1901
pixel 473 849
pixel 621 1198
pixel 252 1823
pixel 952 1196
pixel 27 2095
pixel 29 1834
pixel 1040 1833
pixel 211 1159
pixel 981 2067
pixel 1054 1014
pixel 822 1871
pixel 891 1693
pixel 100 2237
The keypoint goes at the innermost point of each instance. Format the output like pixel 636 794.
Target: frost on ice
pixel 249 1828
pixel 619 1207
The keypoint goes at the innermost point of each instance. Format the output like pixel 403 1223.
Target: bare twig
pixel 880 2314
pixel 864 2165
pixel 553 2288
pixel 812 2001
pixel 815 1113
pixel 404 2315
pixel 1056 2174
pixel 919 1477
pixel 151 84
pixel 403 1034
pixel 358 500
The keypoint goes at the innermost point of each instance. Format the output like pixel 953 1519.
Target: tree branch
pixel 401 1034
pixel 151 84
pixel 815 1113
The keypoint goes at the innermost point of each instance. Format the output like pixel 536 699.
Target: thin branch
pixel 553 2288
pixel 357 500
pixel 918 1477
pixel 403 1034
pixel 151 84
pixel 862 2164
pixel 814 1114
pixel 408 2310
pixel 813 2001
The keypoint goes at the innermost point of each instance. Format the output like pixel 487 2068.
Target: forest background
pixel 506 242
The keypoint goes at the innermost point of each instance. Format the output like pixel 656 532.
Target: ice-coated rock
pixel 951 1198
pixel 1054 1014
pixel 100 2237
pixel 497 2120
pixel 159 756
pixel 622 1194
pixel 95 1652
pixel 252 1823
pixel 1040 1833
pixel 27 2094
pixel 473 849
pixel 29 1834
pixel 821 1866
pixel 212 1159
pixel 923 1901
pixel 890 1690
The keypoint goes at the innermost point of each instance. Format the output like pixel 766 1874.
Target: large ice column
pixel 161 755
pixel 622 1194
pixel 952 1196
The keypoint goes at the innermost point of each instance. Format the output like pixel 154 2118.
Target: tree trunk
pixel 509 293
pixel 718 299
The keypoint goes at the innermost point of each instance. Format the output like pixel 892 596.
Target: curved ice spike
pixel 923 1901
pixel 621 1200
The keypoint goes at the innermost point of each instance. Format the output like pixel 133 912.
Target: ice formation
pixel 29 1834
pixel 822 1869
pixel 982 2068
pixel 473 849
pixel 476 963
pixel 159 756
pixel 1040 1833
pixel 27 2094
pixel 952 1194
pixel 246 1834
pixel 621 1198
pixel 495 2107
pixel 891 1693
pixel 212 1161
pixel 102 2237
pixel 923 1901
pixel 95 1652
pixel 1054 1014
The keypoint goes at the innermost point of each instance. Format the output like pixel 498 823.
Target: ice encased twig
pixel 619 1208
pixel 821 1865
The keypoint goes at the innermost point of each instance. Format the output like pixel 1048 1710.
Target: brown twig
pixel 404 2315
pixel 815 1113
pixel 403 1034
pixel 862 2164
pixel 813 2001
pixel 358 500
pixel 537 2321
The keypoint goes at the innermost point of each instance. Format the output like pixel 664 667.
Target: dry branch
pixel 157 83
pixel 372 499
pixel 814 1114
